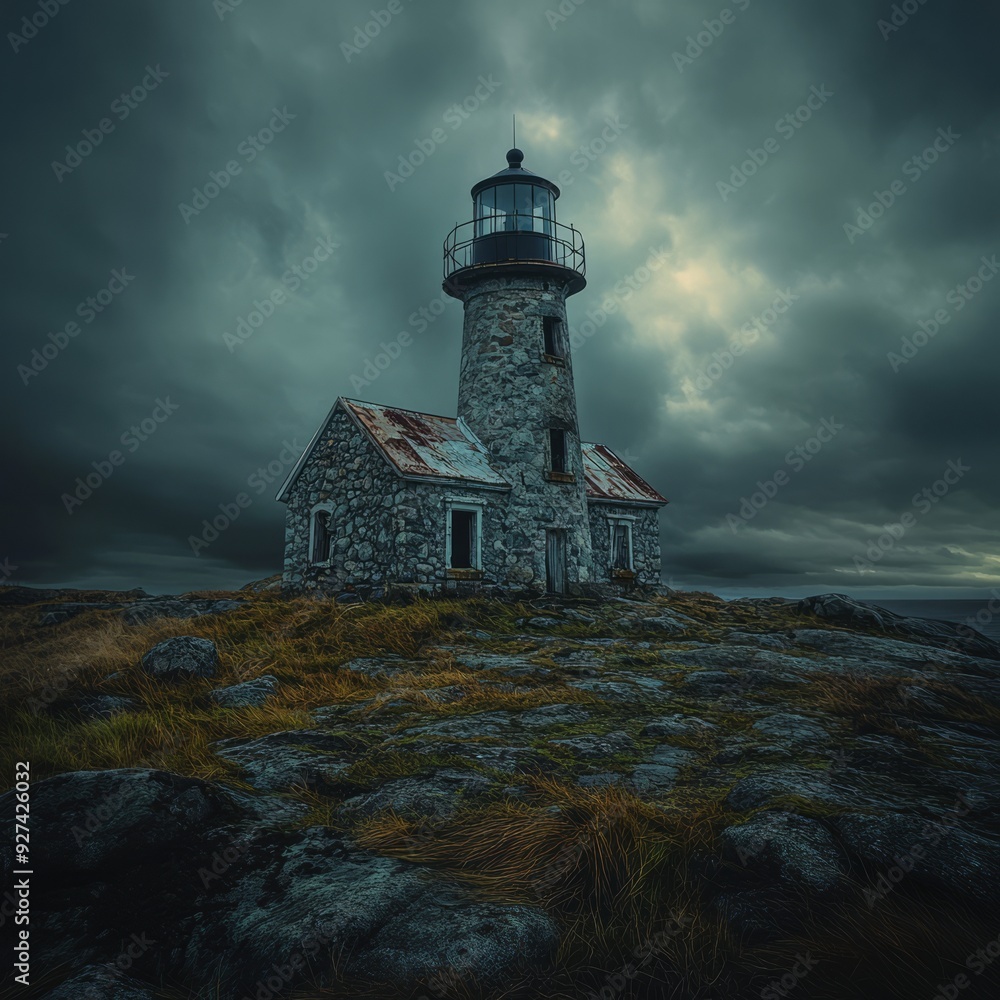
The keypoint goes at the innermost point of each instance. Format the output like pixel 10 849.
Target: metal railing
pixel 562 246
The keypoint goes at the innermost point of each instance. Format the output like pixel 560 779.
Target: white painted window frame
pixel 474 506
pixel 628 520
pixel 327 506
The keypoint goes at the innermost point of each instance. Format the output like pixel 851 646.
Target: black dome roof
pixel 515 173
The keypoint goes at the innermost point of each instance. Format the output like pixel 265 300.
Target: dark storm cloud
pixel 673 132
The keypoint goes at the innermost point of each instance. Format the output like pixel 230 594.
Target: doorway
pixel 555 561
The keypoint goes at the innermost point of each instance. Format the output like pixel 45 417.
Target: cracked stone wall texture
pixel 388 530
pixel 510 397
pixel 645 542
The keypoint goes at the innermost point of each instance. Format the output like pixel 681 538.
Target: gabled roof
pixel 416 445
pixel 420 444
pixel 443 449
pixel 609 478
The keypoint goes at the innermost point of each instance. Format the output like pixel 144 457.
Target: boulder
pixel 95 707
pixel 659 773
pixel 677 725
pixel 313 900
pixel 100 982
pixel 180 658
pixel 592 746
pixel 846 611
pixel 792 730
pixel 249 694
pixel 220 899
pixel 943 854
pixel 305 758
pixel 437 794
pixel 784 849
pixel 96 819
pixel 146 611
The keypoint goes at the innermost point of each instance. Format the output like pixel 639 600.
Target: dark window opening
pixel 621 549
pixel 463 539
pixel 321 536
pixel 552 335
pixel 557 450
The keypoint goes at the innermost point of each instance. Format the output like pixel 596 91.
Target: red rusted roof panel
pixel 609 478
pixel 421 444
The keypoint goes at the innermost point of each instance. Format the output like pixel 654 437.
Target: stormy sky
pixel 816 349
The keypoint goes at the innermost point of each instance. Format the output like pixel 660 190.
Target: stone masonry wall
pixel 510 396
pixel 387 530
pixel 645 542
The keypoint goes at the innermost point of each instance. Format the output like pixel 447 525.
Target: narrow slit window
pixel 621 545
pixel 464 546
pixel 552 336
pixel 321 536
pixel 557 450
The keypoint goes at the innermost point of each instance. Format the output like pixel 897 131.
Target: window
pixel 505 208
pixel 621 544
pixel 544 205
pixel 552 336
pixel 557 450
pixel 463 536
pixel 321 535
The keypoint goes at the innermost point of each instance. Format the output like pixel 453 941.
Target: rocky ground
pixel 672 797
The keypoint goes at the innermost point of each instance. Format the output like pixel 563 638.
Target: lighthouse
pixel 506 494
pixel 514 266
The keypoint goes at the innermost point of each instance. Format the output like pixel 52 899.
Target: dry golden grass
pixel 610 865
pixel 881 704
pixel 610 868
pixel 300 642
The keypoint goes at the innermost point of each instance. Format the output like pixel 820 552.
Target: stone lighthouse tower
pixel 513 267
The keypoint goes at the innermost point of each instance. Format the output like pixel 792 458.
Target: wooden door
pixel 555 561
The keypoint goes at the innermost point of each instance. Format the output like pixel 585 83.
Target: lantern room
pixel 514 227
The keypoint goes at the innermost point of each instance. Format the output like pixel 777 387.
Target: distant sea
pixel 965 612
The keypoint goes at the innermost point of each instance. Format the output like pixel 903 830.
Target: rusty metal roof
pixel 421 444
pixel 443 448
pixel 609 478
